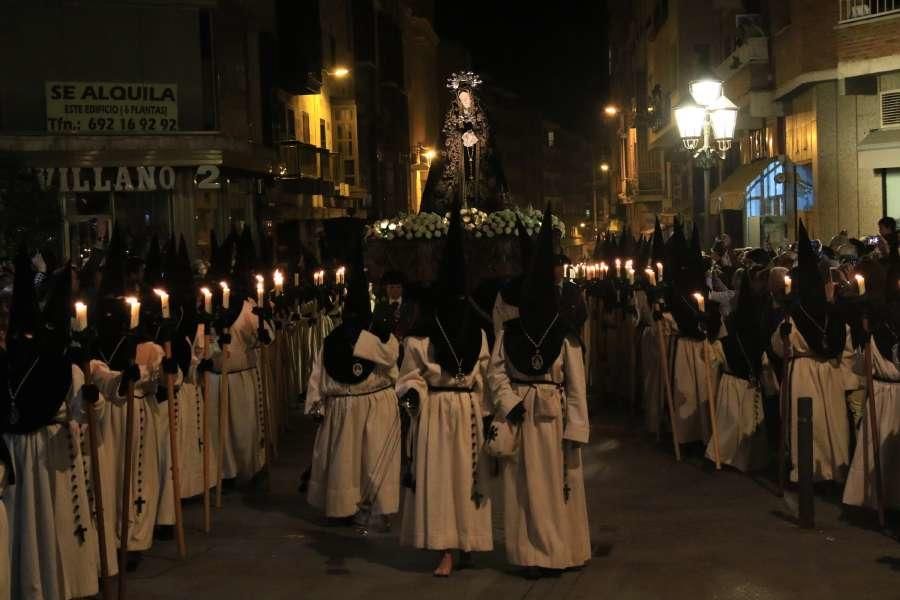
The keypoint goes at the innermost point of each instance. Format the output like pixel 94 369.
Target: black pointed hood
pixel 246 261
pixel 455 332
pixel 747 333
pixel 215 270
pixel 57 311
pixel 658 252
pixel 539 323
pixel 23 309
pixel 112 282
pixel 822 328
pixel 153 266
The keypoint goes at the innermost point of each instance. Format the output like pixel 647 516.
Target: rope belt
pixel 389 386
pixel 886 381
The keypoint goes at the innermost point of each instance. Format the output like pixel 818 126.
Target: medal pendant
pixel 825 343
pixel 460 377
pixel 537 361
pixel 357 369
pixel 13 414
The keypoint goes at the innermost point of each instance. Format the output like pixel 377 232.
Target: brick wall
pixel 869 39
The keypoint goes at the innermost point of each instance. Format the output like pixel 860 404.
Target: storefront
pixel 879 151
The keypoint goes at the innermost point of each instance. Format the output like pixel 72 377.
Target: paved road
pixel 659 529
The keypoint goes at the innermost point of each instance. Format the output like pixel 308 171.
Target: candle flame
pixel 161 293
pixel 259 279
pixel 278 278
pixel 131 300
pixel 80 306
pixel 223 285
pixel 205 291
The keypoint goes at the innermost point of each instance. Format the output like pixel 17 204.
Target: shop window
pixel 765 194
pixel 804 189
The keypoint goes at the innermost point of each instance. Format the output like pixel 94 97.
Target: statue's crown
pixel 463 79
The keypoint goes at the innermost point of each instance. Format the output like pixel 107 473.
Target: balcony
pixel 858 10
pixel 754 50
pixel 309 169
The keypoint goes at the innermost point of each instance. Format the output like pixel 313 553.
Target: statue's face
pixel 465 98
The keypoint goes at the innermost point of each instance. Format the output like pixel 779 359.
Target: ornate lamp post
pixel 706 126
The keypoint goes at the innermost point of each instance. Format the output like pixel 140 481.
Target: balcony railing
pixel 301 161
pixel 857 10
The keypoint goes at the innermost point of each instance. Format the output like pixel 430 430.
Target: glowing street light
pixel 604 167
pixel 340 72
pixel 610 110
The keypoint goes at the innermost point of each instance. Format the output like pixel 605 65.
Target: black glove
pixel 170 366
pixel 130 374
pixel 786 329
pixel 264 338
pixel 486 422
pixel 90 393
pixel 411 400
pixel 162 394
pixel 206 365
pixel 279 326
pixel 225 339
pixel 517 414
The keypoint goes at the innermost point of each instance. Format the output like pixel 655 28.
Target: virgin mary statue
pixel 468 166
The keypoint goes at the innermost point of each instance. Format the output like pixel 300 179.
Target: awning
pixel 880 150
pixel 732 193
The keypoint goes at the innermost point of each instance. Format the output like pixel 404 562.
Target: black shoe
pixel 133 561
pixel 164 533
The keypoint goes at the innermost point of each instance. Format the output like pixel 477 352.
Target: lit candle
pixel 164 302
pixel 861 284
pixel 135 311
pixel 630 275
pixel 659 270
pixel 618 268
pixel 787 284
pixel 80 316
pixel 651 276
pixel 278 278
pixel 201 336
pixel 226 295
pixel 339 275
pixel 604 270
pixel 296 279
pixel 701 302
pixel 629 264
pixel 260 290
pixel 207 300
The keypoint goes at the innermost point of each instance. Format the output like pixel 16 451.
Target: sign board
pixel 121 179
pixel 96 107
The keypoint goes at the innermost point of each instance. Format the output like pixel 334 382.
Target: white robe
pixel 860 488
pixel 743 443
pixel 826 383
pixel 47 505
pixel 689 393
pixel 357 446
pixel 652 373
pixel 501 313
pixel 5 583
pixel 447 440
pixel 244 446
pixel 542 528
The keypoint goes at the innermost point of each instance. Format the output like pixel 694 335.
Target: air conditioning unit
pixel 890 108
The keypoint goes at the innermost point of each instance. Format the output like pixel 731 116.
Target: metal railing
pixel 856 10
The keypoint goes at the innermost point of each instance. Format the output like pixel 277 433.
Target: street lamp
pixel 706 126
pixel 604 167
pixel 339 72
pixel 610 110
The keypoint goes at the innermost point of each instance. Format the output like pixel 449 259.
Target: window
pixel 804 190
pixel 304 117
pixel 551 138
pixel 344 142
pixel 765 194
pixel 323 135
pixel 892 193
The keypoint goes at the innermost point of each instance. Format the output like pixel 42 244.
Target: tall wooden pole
pixel 873 426
pixel 125 513
pixel 94 440
pixel 173 447
pixel 664 359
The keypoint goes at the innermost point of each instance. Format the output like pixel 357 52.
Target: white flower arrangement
pixel 479 223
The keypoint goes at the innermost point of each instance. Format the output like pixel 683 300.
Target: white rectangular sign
pixel 96 107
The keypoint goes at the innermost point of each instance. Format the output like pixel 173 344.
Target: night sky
pixel 555 57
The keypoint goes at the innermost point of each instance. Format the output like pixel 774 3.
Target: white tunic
pixel 826 383
pixel 542 527
pixel 860 489
pixel 52 540
pixel 653 373
pixel 743 443
pixel 5 583
pixel 447 440
pixel 502 313
pixel 689 393
pixel 356 456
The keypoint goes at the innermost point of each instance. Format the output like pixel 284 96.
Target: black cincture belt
pixel 886 381
pixel 536 382
pixel 357 395
pixel 441 388
pixel 230 372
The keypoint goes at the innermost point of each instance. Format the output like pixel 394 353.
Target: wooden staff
pixel 873 424
pixel 664 359
pixel 173 447
pixel 711 400
pixel 784 408
pixel 223 419
pixel 126 489
pixel 94 440
pixel 207 381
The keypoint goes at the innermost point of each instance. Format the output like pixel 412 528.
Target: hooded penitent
pixel 111 317
pixel 338 359
pixel 153 266
pixel 747 334
pixel 821 327
pixel 658 253
pixel 534 340
pixel 684 269
pixel 35 373
pixel 180 281
pixel 455 333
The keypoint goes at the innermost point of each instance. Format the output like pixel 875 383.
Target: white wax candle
pixel 207 300
pixel 80 316
pixel 604 270
pixel 701 302
pixel 278 278
pixel 201 336
pixel 259 294
pixel 226 295
pixel 651 276
pixel 296 279
pixel 861 284
pixel 659 270
pixel 787 284
pixel 618 268
pixel 164 302
pixel 630 275
pixel 135 312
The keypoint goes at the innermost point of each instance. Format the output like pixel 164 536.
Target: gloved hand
pixel 411 401
pixel 517 414
pixel 486 422
pixel 224 339
pixel 162 394
pixel 170 366
pixel 206 365
pixel 130 374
